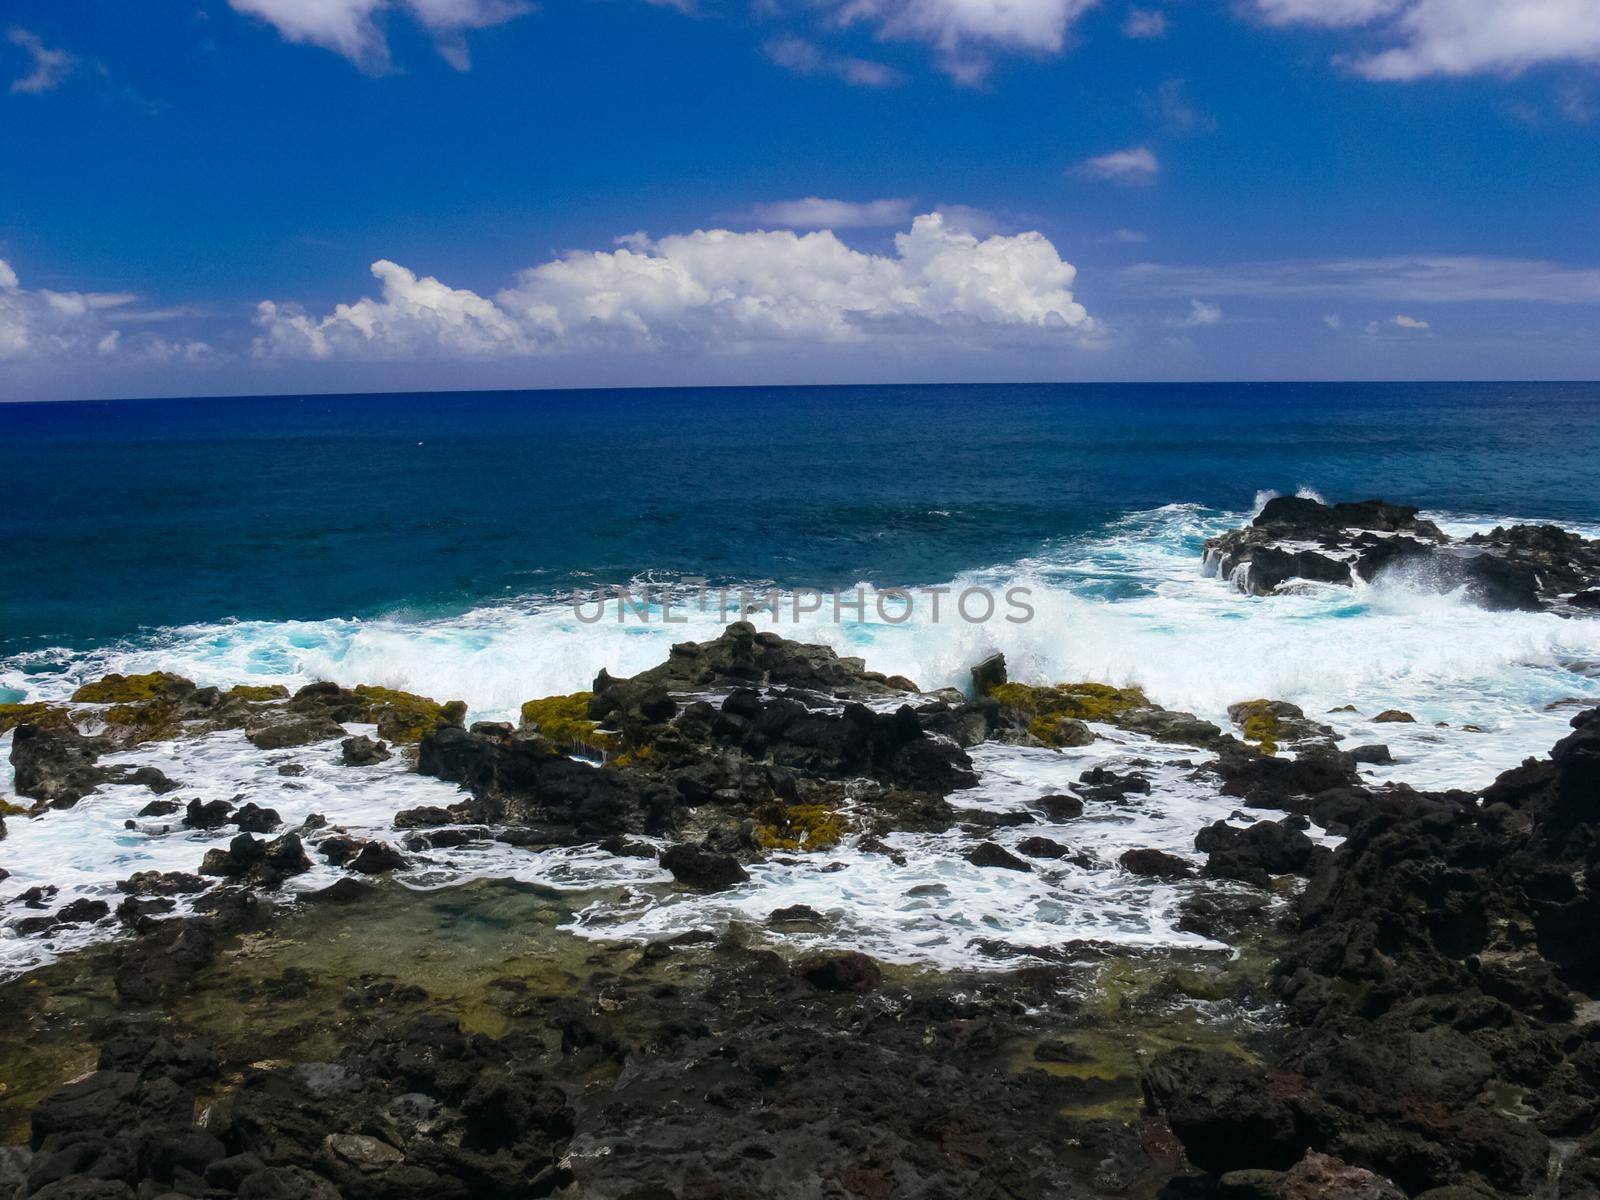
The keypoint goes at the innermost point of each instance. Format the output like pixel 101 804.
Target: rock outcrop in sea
pixel 1530 567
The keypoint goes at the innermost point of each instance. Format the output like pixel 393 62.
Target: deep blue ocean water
pixel 121 516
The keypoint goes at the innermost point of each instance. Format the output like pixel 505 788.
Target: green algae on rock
pixel 258 692
pixel 564 722
pixel 127 689
pixel 800 827
pixel 51 716
pixel 407 717
pixel 1259 722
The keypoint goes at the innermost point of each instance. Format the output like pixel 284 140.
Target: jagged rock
pixel 252 818
pixel 1043 847
pixel 743 657
pixel 1224 1111
pixel 988 675
pixel 213 814
pixel 426 816
pixel 841 971
pixel 1257 852
pixel 698 867
pixel 363 751
pixel 57 765
pixel 1524 567
pixel 1060 808
pixel 992 854
pixel 520 778
pixel 1156 864
pixel 375 858
pixel 161 883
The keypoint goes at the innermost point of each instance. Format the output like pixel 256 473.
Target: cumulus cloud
pixel 352 27
pixel 1144 23
pixel 1415 278
pixel 813 212
pixel 1135 165
pixel 1454 37
pixel 709 291
pixel 46 326
pixel 1405 322
pixel 50 67
pixel 801 57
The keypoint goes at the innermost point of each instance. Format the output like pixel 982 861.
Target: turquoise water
pixel 138 515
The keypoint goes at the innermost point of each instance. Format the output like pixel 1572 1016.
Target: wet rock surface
pixel 1424 1020
pixel 1528 567
pixel 1437 998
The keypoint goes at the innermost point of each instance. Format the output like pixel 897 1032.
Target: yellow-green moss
pixel 1081 701
pixel 633 758
pixel 406 717
pixel 803 827
pixel 258 692
pixel 128 689
pixel 8 809
pixel 564 722
pixel 37 713
pixel 1259 724
pixel 152 718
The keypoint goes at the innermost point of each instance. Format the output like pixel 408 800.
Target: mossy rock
pixel 131 689
pixel 1259 723
pixel 49 716
pixel 151 718
pixel 633 758
pixel 406 717
pixel 257 693
pixel 1394 716
pixel 564 722
pixel 1075 701
pixel 800 827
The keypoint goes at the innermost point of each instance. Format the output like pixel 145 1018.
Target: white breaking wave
pixel 1129 605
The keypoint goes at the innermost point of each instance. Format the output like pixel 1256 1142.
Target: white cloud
pixel 351 27
pixel 1202 313
pixel 50 67
pixel 1415 278
pixel 1405 322
pixel 1332 14
pixel 1135 165
pixel 709 291
pixel 1144 23
pixel 813 212
pixel 415 318
pixel 806 58
pixel 967 31
pixel 1126 237
pixel 1333 321
pixel 49 326
pixel 1454 37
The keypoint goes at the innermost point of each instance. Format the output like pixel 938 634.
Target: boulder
pixel 1156 864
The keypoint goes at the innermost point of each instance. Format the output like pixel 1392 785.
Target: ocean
pixel 433 542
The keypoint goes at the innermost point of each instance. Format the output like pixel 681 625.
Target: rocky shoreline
pixel 1389 993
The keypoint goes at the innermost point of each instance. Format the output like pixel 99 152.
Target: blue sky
pixel 289 195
